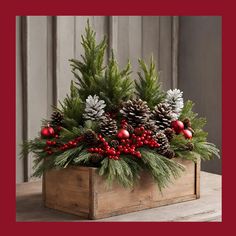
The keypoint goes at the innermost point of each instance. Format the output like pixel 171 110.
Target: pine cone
pixel 174 99
pixel 164 148
pixel 151 125
pixel 187 123
pixel 189 146
pixel 108 126
pixel 169 153
pixel 90 137
pixel 94 108
pixel 56 118
pixel 162 115
pixel 114 143
pixel 136 112
pixel 169 133
pixel 161 138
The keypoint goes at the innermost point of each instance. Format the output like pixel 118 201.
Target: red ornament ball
pixel 187 133
pixel 123 134
pixel 47 132
pixel 177 125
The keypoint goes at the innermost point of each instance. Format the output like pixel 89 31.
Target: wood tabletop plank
pixel 29 206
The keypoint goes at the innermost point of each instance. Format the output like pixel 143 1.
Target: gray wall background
pixel 187 51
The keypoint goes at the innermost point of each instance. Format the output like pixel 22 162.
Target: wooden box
pixel 81 191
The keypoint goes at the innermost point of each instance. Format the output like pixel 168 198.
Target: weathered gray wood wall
pixel 45 43
pixel 200 73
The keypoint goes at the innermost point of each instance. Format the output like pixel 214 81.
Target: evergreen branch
pixel 117 170
pixel 161 168
pixel 91 67
pixel 83 158
pixel 115 86
pixel 148 87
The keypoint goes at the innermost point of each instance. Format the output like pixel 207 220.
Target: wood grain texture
pixel 29 206
pixel 80 191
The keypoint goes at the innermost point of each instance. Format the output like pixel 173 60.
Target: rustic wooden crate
pixel 81 191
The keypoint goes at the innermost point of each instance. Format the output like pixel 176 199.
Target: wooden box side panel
pixel 118 200
pixel 67 190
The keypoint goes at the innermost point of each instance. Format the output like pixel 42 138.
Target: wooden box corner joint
pixel 81 191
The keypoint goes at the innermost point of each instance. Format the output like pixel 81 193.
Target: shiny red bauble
pixel 187 133
pixel 123 134
pixel 47 132
pixel 177 125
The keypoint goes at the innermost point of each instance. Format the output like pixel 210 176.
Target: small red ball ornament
pixel 47 132
pixel 123 134
pixel 177 125
pixel 187 133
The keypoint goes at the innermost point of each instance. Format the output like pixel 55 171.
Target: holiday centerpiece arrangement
pixel 119 125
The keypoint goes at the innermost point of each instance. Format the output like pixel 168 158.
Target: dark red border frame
pixel 9 9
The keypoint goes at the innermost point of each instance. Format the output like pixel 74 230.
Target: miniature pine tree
pixel 116 85
pixel 90 68
pixel 148 86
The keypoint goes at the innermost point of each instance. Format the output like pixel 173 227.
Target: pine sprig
pixel 117 170
pixel 161 168
pixel 91 66
pixel 148 86
pixel 116 85
pixel 72 108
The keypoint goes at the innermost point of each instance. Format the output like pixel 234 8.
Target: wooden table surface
pixel 29 206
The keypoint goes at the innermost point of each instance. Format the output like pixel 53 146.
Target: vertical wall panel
pixel 65 50
pixel 165 52
pixel 200 73
pixel 19 102
pixel 37 92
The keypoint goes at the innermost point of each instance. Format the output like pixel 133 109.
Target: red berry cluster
pixel 52 145
pixel 139 138
pixel 105 149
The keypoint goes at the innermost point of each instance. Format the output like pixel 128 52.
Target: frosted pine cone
pixel 94 108
pixel 174 99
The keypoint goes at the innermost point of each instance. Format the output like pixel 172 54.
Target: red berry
pixel 48 142
pixel 142 128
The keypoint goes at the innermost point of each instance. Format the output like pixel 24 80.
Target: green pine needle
pixel 148 86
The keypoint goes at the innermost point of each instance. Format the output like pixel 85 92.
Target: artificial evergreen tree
pixel 90 69
pixel 148 86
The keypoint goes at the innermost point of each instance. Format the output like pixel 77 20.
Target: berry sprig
pixel 53 146
pixel 139 138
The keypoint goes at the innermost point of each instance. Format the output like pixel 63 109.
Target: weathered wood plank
pixel 29 206
pixel 78 189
